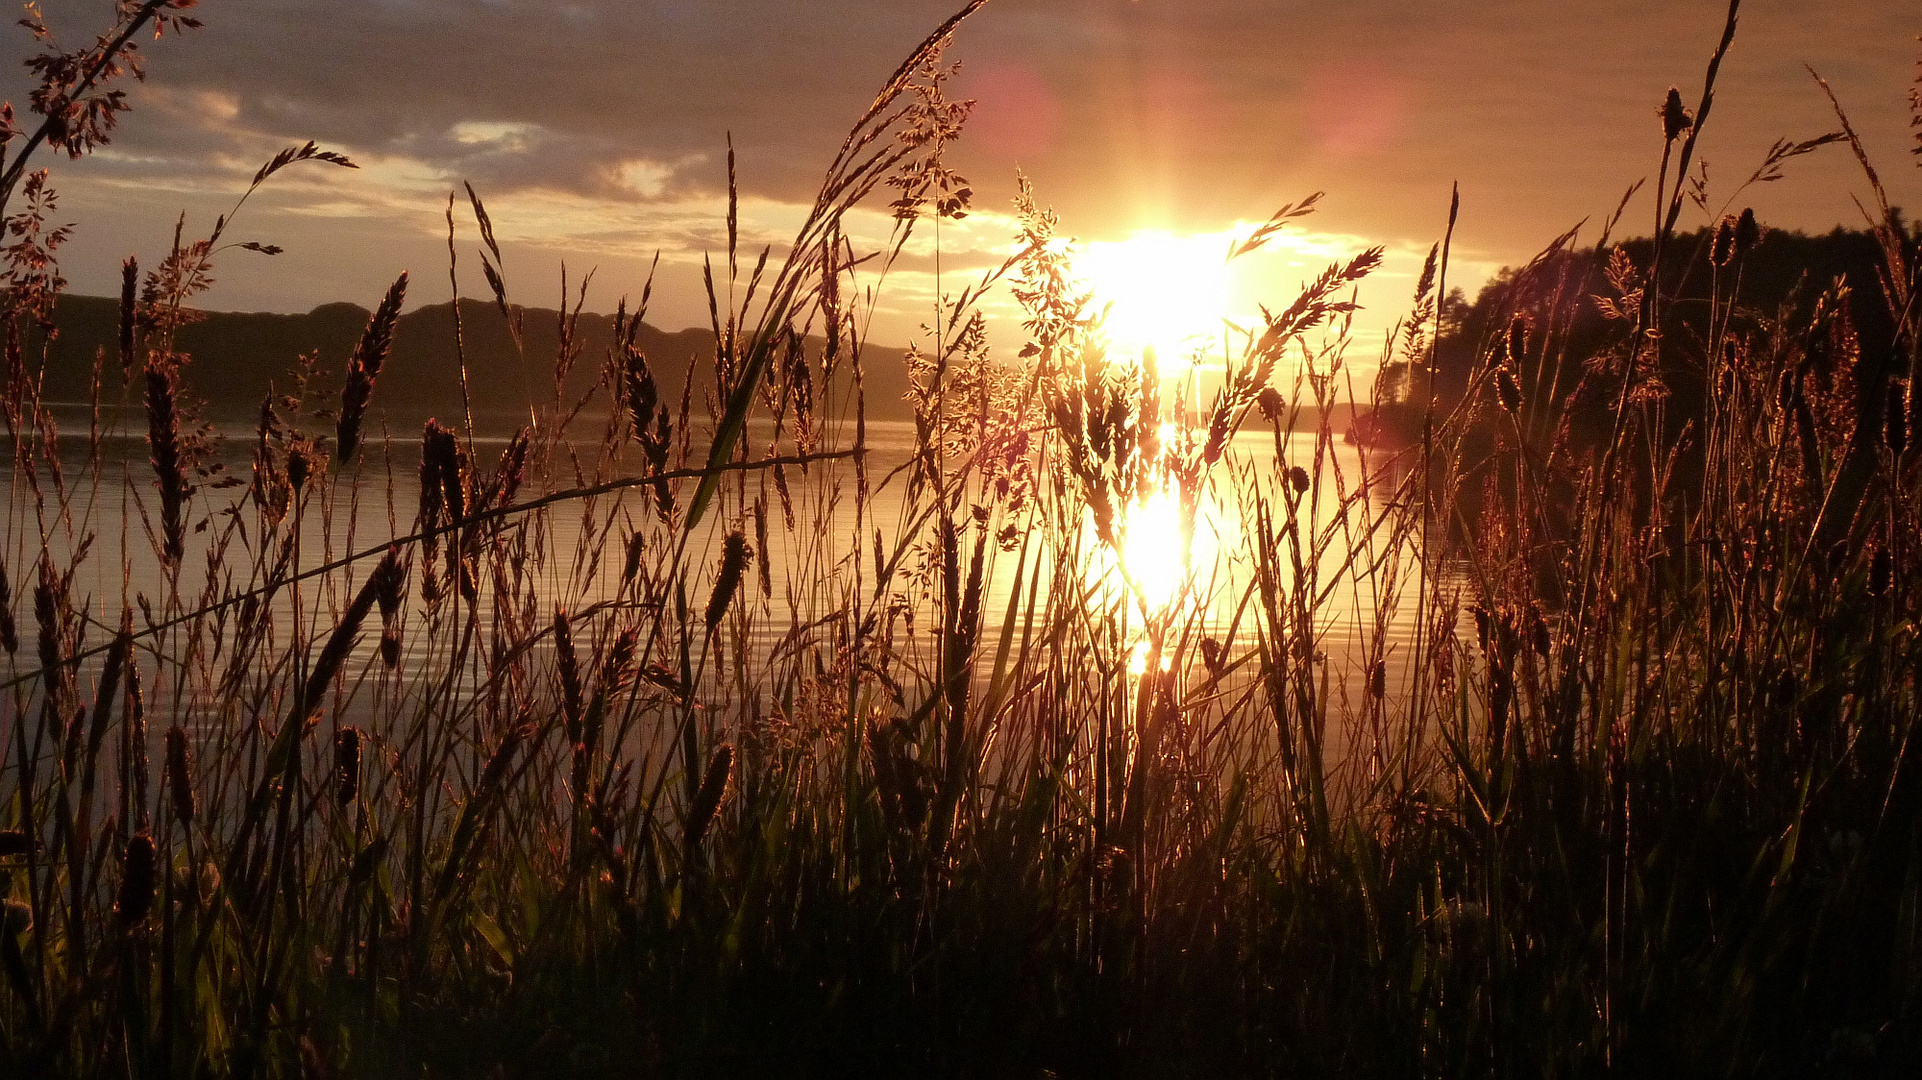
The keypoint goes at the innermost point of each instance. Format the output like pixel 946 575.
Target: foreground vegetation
pixel 654 768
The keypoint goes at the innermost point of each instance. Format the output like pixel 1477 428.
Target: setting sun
pixel 1161 291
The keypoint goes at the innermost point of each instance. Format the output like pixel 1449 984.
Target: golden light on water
pixel 1138 659
pixel 1152 548
pixel 1163 291
pixel 1170 293
pixel 1161 558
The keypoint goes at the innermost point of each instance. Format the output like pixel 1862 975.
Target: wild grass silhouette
pixel 621 752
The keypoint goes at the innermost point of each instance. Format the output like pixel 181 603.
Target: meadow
pixel 698 729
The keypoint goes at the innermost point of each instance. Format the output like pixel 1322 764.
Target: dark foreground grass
pixel 1643 800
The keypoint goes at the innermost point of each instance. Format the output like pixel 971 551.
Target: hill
pixel 236 358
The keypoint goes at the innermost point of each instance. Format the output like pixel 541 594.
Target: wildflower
pixel 1270 402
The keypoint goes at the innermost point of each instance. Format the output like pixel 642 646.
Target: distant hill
pixel 237 356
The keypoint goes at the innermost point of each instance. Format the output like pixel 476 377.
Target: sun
pixel 1161 290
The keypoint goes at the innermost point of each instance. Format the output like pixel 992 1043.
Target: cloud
pixel 597 129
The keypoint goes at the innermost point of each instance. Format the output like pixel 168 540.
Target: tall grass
pixel 621 752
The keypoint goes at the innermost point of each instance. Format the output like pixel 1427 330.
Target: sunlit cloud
pixel 597 134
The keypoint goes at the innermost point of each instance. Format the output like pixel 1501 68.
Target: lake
pixel 110 511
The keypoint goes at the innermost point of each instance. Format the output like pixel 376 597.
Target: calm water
pixel 107 505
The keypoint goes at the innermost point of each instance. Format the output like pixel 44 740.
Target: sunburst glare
pixel 1162 291
pixel 1159 554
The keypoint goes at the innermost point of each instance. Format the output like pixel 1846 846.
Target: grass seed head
pixel 180 775
pixel 346 765
pixel 49 616
pixel 163 441
pixel 570 675
pixel 135 897
pixel 1722 251
pixel 1881 571
pixel 734 557
pixel 9 632
pixel 639 393
pixel 1508 389
pixel 1517 342
pixel 511 469
pixel 1895 426
pixel 707 800
pixel 760 538
pixel 1747 232
pixel 393 584
pixel 1675 119
pixel 618 667
pixel 129 307
pixel 363 367
pixel 636 545
pixel 443 468
pixel 341 642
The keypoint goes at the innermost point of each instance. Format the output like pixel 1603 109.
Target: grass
pixel 1640 795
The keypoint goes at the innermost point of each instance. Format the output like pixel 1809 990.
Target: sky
pixel 596 131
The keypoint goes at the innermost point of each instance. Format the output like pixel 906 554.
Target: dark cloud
pixel 591 84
